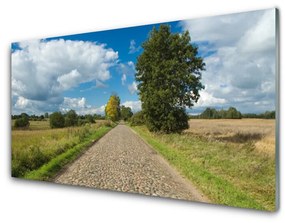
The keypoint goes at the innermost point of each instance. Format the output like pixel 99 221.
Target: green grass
pixel 229 174
pixel 50 169
pixel 33 148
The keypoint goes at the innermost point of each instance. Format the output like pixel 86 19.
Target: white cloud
pixel 261 37
pixel 241 67
pixel 69 80
pixel 133 48
pixel 80 106
pixel 222 30
pixel 74 103
pixel 42 70
pixel 123 79
pixel 133 87
pixel 92 110
pixel 134 105
pixel 21 103
pixel 207 99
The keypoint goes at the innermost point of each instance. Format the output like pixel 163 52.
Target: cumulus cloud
pixel 134 105
pixel 24 105
pixel 21 103
pixel 74 103
pixel 42 70
pixel 92 110
pixel 207 99
pixel 81 106
pixel 133 87
pixel 133 48
pixel 239 52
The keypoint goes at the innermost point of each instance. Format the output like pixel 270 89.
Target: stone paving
pixel 122 161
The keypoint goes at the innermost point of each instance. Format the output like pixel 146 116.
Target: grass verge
pixel 51 168
pixel 228 174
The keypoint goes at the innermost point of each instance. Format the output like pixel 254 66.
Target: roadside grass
pixel 50 169
pixel 228 173
pixel 33 148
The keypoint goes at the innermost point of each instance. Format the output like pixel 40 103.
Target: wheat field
pixel 259 131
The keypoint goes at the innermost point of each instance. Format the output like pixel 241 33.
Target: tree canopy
pixel 71 118
pixel 112 109
pixel 169 79
pixel 56 120
pixel 126 113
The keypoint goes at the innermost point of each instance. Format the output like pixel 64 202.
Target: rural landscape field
pixel 184 110
pixel 232 161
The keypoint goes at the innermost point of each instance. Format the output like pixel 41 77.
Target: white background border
pixel 23 201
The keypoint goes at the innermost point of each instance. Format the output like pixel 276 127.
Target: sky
pixel 81 71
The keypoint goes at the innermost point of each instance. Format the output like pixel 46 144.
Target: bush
pixel 89 118
pixel 71 119
pixel 56 120
pixel 137 119
pixel 22 122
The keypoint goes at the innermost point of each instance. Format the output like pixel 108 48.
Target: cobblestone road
pixel 122 161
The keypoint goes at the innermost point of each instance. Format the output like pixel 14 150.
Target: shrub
pixel 89 118
pixel 56 120
pixel 71 118
pixel 22 122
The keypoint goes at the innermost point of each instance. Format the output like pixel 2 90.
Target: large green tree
pixel 169 79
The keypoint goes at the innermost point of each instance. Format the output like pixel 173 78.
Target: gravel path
pixel 122 161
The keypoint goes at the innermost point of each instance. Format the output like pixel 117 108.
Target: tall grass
pixel 228 173
pixel 33 148
pixel 50 169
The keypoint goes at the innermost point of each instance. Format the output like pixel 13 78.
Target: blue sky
pixel 81 71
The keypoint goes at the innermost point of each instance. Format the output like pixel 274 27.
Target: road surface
pixel 122 161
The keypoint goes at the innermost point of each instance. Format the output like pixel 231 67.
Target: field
pixel 231 161
pixel 38 145
pixel 259 131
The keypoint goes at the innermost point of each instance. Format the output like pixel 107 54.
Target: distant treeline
pixel 56 119
pixel 265 115
pixel 46 116
pixel 231 113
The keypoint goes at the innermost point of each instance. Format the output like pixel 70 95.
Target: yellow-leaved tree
pixel 112 109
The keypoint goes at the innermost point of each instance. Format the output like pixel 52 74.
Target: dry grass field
pixel 231 160
pixel 259 131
